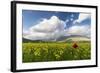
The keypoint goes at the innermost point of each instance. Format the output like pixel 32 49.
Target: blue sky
pixel 64 22
pixel 31 17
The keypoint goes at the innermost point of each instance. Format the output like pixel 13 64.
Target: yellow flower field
pixel 55 51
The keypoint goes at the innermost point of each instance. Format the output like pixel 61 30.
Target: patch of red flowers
pixel 75 45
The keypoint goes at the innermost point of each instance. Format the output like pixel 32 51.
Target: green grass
pixel 57 51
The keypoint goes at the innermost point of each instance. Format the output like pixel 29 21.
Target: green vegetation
pixel 55 51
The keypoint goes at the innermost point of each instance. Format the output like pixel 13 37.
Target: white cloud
pixel 47 29
pixel 83 30
pixel 82 17
pixel 67 20
pixel 49 25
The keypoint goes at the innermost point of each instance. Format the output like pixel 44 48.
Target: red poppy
pixel 75 45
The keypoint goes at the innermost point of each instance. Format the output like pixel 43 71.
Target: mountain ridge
pixel 61 39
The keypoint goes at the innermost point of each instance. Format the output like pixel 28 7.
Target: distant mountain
pixel 28 40
pixel 74 38
pixel 62 39
pixel 78 38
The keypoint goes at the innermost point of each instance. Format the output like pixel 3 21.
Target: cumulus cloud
pixel 83 30
pixel 82 17
pixel 48 29
pixel 49 25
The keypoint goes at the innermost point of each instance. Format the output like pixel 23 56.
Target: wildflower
pixel 75 45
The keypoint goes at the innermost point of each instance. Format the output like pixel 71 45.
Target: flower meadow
pixel 55 51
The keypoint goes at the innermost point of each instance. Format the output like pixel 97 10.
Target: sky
pixel 50 25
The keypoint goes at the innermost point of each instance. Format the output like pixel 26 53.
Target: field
pixel 55 51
